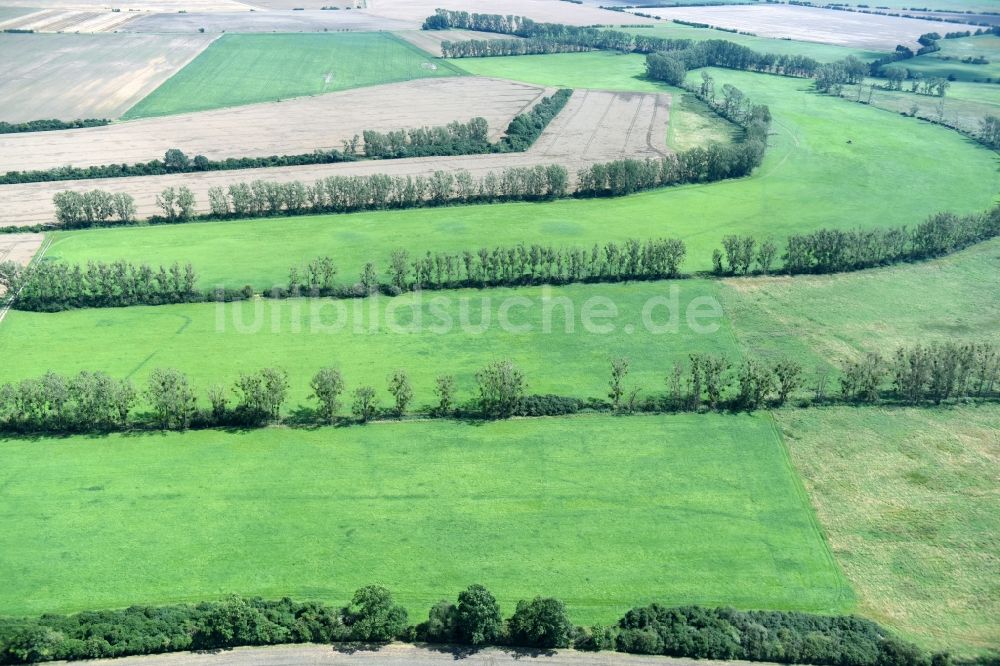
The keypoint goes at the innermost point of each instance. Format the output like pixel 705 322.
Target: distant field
pixel 86 76
pixel 243 69
pixel 602 512
pixel 948 61
pixel 821 52
pixel 909 501
pixel 855 163
pixel 810 24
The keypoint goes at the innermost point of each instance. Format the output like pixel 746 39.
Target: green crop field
pixel 948 61
pixel 601 512
pixel 853 163
pixel 908 499
pixel 243 69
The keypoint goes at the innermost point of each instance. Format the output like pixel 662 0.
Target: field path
pixel 595 126
pixel 401 654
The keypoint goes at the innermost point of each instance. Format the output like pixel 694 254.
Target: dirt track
pixel 290 127
pixel 594 126
pixel 86 76
pixel 397 654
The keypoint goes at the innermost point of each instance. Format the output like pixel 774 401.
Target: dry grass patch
pixel 910 501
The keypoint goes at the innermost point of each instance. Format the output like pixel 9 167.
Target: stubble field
pixel 290 127
pixel 86 76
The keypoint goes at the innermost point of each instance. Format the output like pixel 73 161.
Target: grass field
pixel 948 61
pixel 243 69
pixel 854 163
pixel 909 501
pixel 687 509
pixel 818 321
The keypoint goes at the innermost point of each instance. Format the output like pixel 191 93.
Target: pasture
pixel 853 161
pixel 602 512
pixel 948 61
pixel 908 499
pixel 243 69
pixel 86 76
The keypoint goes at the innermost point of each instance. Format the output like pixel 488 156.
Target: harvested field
pixel 135 6
pixel 291 127
pixel 430 40
pixel 810 24
pixel 595 126
pixel 58 20
pixel 264 21
pixel 415 11
pixel 19 248
pixel 86 76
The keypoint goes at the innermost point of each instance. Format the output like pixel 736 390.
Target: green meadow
pixel 243 69
pixel 908 500
pixel 948 61
pixel 832 163
pixel 684 509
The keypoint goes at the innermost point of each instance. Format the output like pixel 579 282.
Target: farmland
pixel 948 61
pixel 810 154
pixel 86 76
pixel 732 441
pixel 243 69
pixel 295 126
pixel 678 509
pixel 909 501
pixel 594 127
pixel 809 24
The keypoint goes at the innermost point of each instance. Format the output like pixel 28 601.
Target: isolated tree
pixel 619 370
pixel 445 390
pixel 765 256
pixel 365 403
pixel 185 203
pixel 402 392
pixel 369 279
pixel 788 375
pixel 501 389
pixel 327 385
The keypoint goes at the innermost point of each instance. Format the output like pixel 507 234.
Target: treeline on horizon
pixel 455 138
pixel 50 124
pixel 91 402
pixel 474 619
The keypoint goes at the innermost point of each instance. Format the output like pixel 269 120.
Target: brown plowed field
pixel 430 40
pixel 57 20
pixel 277 128
pixel 86 76
pixel 594 126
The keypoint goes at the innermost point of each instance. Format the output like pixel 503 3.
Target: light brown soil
pixel 554 11
pixel 289 127
pixel 594 126
pixel 58 20
pixel 86 76
pixel 810 24
pixel 401 655
pixel 19 248
pixel 430 40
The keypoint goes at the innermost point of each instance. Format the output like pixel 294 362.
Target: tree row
pixel 93 401
pixel 473 619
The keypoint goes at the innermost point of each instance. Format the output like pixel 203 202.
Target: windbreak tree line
pixel 94 402
pixel 50 125
pixel 474 619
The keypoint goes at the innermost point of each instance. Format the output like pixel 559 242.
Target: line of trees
pixel 837 250
pixel 93 401
pixel 50 286
pixel 455 138
pixel 525 128
pixel 76 210
pixel 50 124
pixel 473 619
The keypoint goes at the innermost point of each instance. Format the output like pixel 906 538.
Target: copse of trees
pixel 49 125
pixel 78 210
pixel 455 138
pixel 541 623
pixel 525 128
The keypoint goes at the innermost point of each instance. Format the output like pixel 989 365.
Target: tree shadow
pixel 353 647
